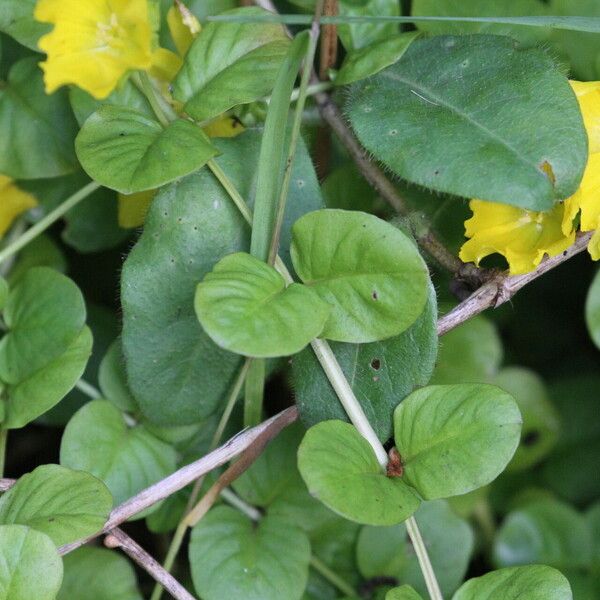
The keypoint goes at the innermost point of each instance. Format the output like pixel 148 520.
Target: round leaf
pixel 230 64
pixel 45 313
pixel 231 557
pixel 546 531
pixel 81 581
pixel 246 308
pixel 98 441
pixel 592 310
pixel 65 505
pixel 509 112
pixel 455 438
pixel 129 152
pixel 535 582
pixel 341 470
pixel 369 271
pixel 31 566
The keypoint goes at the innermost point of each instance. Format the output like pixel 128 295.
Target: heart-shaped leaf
pixel 65 505
pixel 535 582
pixel 44 313
pixel 230 64
pixel 340 468
pixel 127 459
pixel 245 307
pixel 126 151
pixel 231 557
pixel 31 565
pixel 455 438
pixel 81 579
pixel 369 271
pixel 509 112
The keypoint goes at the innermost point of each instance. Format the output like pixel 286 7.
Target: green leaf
pixel 592 310
pixel 113 379
pixel 128 460
pixel 190 226
pixel 535 582
pixel 541 425
pixel 360 32
pixel 404 592
pixel 246 308
pixel 546 531
pixel 373 373
pixel 4 290
pixel 36 130
pixel 31 565
pixel 369 272
pixel 41 252
pixel 81 581
pixel 469 353
pixel 230 64
pixel 39 392
pixel 387 551
pixel 369 60
pixel 341 470
pixel 231 557
pixel 65 505
pixel 492 98
pixel 455 438
pixel 126 151
pixel 16 19
pixel 44 313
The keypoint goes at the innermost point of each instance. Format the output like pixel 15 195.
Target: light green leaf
pixel 36 130
pixel 369 60
pixel 541 425
pixel 113 379
pixel 360 32
pixel 404 592
pixel 190 226
pixel 341 470
pixel 370 272
pixel 31 565
pixel 455 438
pixel 16 19
pixel 592 310
pixel 65 505
pixel 387 551
pixel 97 440
pixel 509 111
pixel 44 313
pixel 4 290
pixel 470 353
pixel 231 557
pixel 81 581
pixel 41 252
pixel 546 531
pixel 246 308
pixel 129 152
pixel 535 582
pixel 44 389
pixel 373 373
pixel 230 64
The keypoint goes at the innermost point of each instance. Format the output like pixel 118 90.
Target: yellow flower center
pixel 110 34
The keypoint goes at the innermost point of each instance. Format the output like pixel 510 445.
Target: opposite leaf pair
pixel 364 280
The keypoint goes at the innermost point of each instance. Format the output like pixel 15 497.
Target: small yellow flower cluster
pixel 524 237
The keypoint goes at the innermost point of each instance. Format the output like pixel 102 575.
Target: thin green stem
pixel 423 557
pixel 230 188
pixel 320 567
pixel 15 233
pixel 48 220
pixel 88 389
pixel 254 392
pixel 144 84
pixel 3 439
pixel 234 500
pixel 312 90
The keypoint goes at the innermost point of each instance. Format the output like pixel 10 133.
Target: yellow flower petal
pixel 588 96
pixel 587 198
pixel 226 127
pixel 133 208
pixel 165 65
pixel 94 43
pixel 183 26
pixel 13 202
pixel 523 237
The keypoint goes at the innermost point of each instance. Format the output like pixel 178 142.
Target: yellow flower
pixel 588 96
pixel 523 237
pixel 94 43
pixel 13 202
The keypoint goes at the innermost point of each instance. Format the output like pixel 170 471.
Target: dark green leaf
pixel 341 470
pixel 493 99
pixel 16 19
pixel 455 438
pixel 231 557
pixel 126 151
